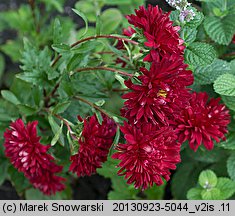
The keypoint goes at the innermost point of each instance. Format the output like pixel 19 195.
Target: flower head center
pixel 162 93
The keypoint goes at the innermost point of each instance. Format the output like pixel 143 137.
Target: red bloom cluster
pixel 161 94
pixel 148 154
pixel 160 108
pixel 94 142
pixel 28 155
pixel 161 35
pixel 201 121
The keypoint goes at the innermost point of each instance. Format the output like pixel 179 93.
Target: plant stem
pixel 104 36
pixel 104 68
pixel 32 6
pixel 91 38
pixel 65 122
pixel 91 104
pixel 51 94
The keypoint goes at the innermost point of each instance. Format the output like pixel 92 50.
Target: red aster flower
pixel 159 31
pixel 28 155
pixel 94 142
pixel 148 154
pixel 203 121
pixel 233 40
pixel 161 94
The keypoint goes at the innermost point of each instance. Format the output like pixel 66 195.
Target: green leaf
pixel 61 107
pixel 229 143
pixel 226 187
pixel 110 19
pixel 207 179
pixel 55 3
pixel 57 135
pixel 61 48
pixel 229 101
pixel 57 32
pixel 208 74
pixel 189 172
pixel 197 19
pixel 3 170
pixel 9 96
pixel 225 85
pixel 56 129
pixel 18 180
pixel 121 190
pixel 36 65
pixel 155 192
pixel 99 117
pixel 2 65
pixel 231 166
pixel 221 30
pixel 87 8
pixel 34 194
pixel 82 15
pixel 188 34
pixel 26 109
pixel 203 155
pixel 194 194
pixel 12 49
pixel 197 54
pixel 211 194
pixel 117 2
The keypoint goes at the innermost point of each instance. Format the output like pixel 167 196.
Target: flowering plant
pixel 148 106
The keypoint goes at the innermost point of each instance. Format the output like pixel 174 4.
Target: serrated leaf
pixel 221 30
pixel 197 54
pixel 26 109
pixel 83 16
pixel 211 194
pixel 231 166
pixel 188 34
pixel 61 107
pixel 225 85
pixel 110 20
pixel 36 65
pixel 194 194
pixel 197 19
pixel 229 102
pixel 226 187
pixel 9 96
pixel 57 135
pixel 209 73
pixel 207 179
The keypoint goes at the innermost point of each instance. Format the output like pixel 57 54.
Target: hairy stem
pixel 104 68
pixel 91 105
